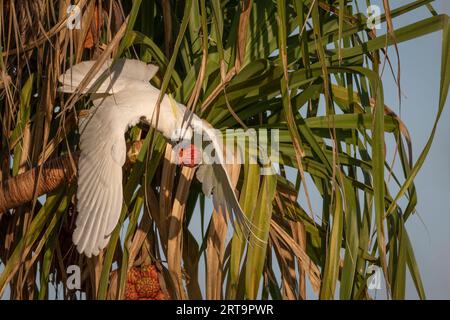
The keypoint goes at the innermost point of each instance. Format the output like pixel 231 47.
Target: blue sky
pixel 429 230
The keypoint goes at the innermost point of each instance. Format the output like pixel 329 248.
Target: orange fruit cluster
pixel 143 284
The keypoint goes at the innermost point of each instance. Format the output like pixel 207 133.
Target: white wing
pixel 217 182
pixel 117 76
pixel 102 145
pixel 99 193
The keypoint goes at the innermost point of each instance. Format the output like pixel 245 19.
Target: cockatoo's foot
pixel 190 156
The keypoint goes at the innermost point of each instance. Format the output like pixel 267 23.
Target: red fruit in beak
pixel 189 156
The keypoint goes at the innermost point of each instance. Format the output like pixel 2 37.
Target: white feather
pixel 216 181
pixel 100 180
pixel 117 75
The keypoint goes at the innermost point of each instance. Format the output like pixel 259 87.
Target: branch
pixel 23 188
pixel 19 190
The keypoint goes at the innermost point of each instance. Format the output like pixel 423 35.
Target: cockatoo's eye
pixel 189 156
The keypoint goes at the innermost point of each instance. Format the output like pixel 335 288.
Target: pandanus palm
pixel 309 69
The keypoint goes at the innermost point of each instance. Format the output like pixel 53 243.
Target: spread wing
pixel 217 182
pixel 99 193
pixel 117 75
pixel 102 145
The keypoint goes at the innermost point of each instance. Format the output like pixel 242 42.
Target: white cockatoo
pixel 119 102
